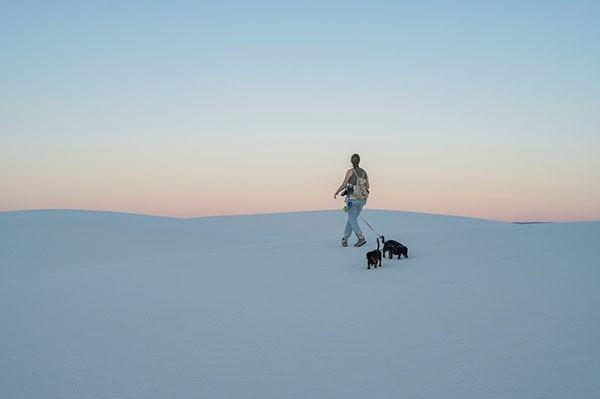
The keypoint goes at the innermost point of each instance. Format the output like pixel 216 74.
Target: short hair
pixel 355 159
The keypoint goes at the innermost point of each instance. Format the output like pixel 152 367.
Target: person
pixel 356 189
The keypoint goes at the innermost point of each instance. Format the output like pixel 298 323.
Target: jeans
pixel 354 208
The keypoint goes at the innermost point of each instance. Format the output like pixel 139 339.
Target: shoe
pixel 344 242
pixel 361 241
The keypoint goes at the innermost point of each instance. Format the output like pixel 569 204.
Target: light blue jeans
pixel 354 208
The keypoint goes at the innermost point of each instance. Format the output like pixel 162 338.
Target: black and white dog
pixel 394 248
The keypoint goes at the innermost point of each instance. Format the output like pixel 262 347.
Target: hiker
pixel 356 190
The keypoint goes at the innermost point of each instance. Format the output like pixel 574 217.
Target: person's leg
pixel 356 208
pixel 348 229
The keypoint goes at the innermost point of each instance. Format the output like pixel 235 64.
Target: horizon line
pixel 25 210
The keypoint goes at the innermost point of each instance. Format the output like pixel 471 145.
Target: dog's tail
pixel 378 244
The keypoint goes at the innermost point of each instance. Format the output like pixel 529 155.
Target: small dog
pixel 394 248
pixel 374 257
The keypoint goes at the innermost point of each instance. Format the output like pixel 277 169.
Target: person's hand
pixel 335 195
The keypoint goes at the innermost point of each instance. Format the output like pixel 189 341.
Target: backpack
pixel 360 188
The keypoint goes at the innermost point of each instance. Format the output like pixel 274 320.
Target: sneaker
pixel 361 241
pixel 344 242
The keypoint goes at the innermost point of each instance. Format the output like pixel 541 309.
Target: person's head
pixel 355 159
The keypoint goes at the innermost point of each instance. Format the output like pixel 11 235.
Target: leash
pixel 371 227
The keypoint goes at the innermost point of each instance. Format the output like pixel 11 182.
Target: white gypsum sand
pixel 109 305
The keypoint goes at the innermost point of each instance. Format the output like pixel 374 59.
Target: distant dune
pixel 534 222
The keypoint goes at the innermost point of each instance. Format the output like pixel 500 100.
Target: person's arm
pixel 344 184
pixel 368 184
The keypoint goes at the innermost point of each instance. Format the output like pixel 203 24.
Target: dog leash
pixel 371 227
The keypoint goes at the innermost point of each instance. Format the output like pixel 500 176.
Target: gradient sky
pixel 485 109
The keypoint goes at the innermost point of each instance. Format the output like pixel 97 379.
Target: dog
pixel 394 248
pixel 374 257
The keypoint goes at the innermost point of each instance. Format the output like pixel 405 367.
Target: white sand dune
pixel 111 305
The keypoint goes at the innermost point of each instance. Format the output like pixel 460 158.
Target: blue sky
pixel 497 95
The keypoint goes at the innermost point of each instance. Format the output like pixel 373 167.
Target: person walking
pixel 356 190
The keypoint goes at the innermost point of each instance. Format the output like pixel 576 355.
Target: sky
pixel 482 109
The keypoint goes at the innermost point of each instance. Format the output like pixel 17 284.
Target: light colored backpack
pixel 360 188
